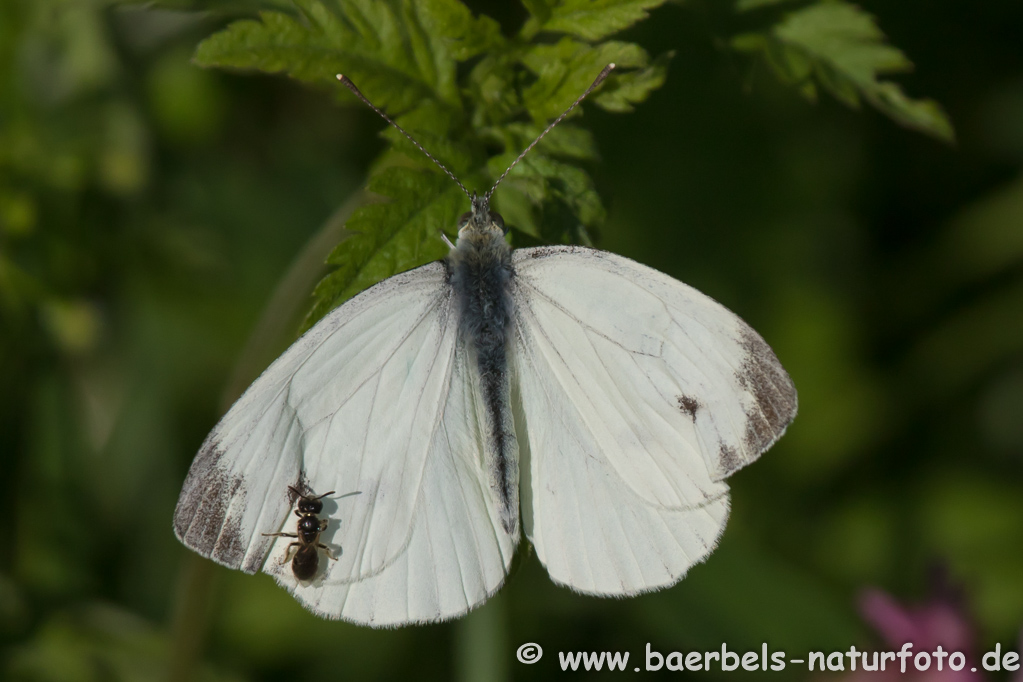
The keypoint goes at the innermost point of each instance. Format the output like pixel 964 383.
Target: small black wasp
pixel 307 558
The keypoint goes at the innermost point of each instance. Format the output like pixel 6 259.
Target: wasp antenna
pixel 597 81
pixel 347 82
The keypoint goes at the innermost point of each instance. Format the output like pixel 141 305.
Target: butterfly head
pixel 480 220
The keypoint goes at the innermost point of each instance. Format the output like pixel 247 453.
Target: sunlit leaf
pixel 401 53
pixel 403 56
pixel 624 90
pixel 564 70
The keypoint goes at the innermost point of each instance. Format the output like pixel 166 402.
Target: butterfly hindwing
pixel 456 554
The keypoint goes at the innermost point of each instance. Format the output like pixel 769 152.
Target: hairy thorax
pixel 481 274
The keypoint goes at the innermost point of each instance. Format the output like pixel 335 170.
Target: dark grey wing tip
pixel 203 518
pixel 772 388
pixel 775 403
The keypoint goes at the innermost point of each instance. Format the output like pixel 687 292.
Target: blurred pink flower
pixel 939 622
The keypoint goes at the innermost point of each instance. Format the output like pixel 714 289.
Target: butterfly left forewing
pixel 372 398
pixel 237 486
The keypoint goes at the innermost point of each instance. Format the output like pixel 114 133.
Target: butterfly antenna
pixel 600 79
pixel 358 93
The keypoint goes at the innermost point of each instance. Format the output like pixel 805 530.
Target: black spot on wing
pixel 201 519
pixel 773 392
pixel 688 405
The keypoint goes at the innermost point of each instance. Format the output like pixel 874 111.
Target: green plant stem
pixel 482 648
pixel 192 612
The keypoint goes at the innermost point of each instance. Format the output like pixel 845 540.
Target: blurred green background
pixel 161 227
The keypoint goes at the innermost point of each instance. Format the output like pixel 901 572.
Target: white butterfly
pixel 605 400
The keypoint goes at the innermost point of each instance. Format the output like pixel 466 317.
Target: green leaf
pixel 392 236
pixel 404 56
pixel 586 19
pixel 540 9
pixel 540 175
pixel 565 141
pixel 492 87
pixel 845 37
pixel 623 90
pixel 841 48
pixel 572 185
pixel 397 52
pixel 524 198
pixel 453 29
pixel 564 70
pixel 439 132
pixel 922 114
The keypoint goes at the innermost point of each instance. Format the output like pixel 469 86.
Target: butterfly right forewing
pixel 637 396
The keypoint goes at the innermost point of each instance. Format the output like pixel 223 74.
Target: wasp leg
pixel 279 535
pixel 287 555
pixel 327 550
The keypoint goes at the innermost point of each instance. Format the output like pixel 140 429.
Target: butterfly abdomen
pixel 481 275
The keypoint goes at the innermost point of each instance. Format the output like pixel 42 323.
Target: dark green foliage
pixel 587 19
pixel 404 56
pixel 835 45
